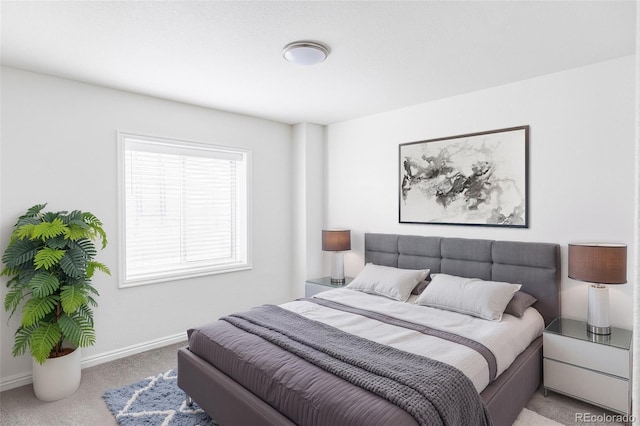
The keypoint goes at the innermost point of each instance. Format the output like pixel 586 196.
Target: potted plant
pixel 49 262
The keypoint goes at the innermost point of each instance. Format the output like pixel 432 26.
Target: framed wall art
pixel 478 179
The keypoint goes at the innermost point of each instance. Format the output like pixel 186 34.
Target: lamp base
pixel 598 330
pixel 598 312
pixel 337 268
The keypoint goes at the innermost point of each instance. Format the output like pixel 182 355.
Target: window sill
pixel 180 276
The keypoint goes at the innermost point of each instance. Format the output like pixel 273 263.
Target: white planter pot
pixel 57 378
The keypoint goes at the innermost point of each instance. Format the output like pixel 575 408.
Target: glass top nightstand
pixel 327 281
pixel 316 285
pixel 590 367
pixel 619 337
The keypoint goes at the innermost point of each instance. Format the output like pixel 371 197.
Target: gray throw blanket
pixel 433 392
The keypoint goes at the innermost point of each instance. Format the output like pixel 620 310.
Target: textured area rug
pixel 157 400
pixel 154 401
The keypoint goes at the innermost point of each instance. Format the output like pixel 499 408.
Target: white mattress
pixel 506 339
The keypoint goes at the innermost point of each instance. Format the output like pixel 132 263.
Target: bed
pixel 536 266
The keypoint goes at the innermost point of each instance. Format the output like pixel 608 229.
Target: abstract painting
pixel 474 179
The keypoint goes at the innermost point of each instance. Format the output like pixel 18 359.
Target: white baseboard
pixel 18 380
pixel 134 349
pixel 15 381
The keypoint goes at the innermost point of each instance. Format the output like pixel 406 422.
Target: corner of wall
pixel 308 167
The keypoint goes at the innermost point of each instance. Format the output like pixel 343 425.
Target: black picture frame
pixel 475 179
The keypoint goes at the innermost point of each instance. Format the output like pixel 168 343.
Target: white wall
pixel 581 166
pixel 59 146
pixel 307 180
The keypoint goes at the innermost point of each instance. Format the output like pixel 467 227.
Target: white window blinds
pixel 185 209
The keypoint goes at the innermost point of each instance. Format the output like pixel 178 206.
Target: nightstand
pixel 593 368
pixel 316 285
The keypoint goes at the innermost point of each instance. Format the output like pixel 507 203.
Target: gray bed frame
pixel 534 265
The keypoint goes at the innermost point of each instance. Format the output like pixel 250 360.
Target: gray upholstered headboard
pixel 534 265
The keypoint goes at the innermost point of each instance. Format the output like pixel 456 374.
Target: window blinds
pixel 185 209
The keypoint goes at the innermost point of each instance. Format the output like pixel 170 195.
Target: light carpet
pixel 157 400
pixel 531 418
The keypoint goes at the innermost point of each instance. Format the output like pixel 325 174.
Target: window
pixel 184 209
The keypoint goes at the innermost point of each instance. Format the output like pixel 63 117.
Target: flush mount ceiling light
pixel 305 52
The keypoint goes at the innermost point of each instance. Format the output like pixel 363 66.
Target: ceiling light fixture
pixel 305 52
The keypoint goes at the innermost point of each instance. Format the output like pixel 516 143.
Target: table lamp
pixel 337 242
pixel 599 264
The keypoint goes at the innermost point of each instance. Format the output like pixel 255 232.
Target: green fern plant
pixel 50 262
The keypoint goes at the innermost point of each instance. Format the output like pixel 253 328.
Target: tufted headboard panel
pixel 534 265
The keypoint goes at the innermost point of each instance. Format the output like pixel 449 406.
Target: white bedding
pixel 506 339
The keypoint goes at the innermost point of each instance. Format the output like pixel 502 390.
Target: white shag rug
pixel 531 418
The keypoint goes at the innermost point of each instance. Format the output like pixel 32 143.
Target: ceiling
pixel 384 55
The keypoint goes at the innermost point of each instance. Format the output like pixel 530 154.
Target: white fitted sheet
pixel 506 339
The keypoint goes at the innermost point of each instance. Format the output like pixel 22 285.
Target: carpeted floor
pixel 86 406
pixel 19 407
pixel 531 418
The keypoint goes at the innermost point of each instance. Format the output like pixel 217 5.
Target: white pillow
pixel 471 296
pixel 386 281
